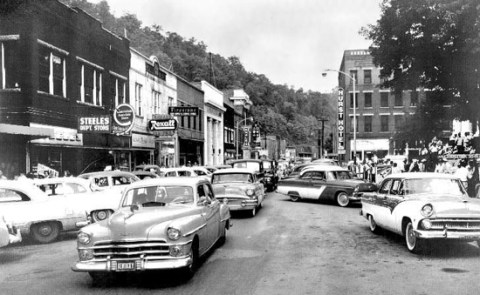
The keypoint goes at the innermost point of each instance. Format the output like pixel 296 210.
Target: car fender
pixel 188 225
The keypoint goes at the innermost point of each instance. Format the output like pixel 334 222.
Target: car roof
pixel 147 166
pixel 107 173
pixel 40 181
pixel 167 181
pixel 246 160
pixel 416 175
pixel 324 168
pixel 234 170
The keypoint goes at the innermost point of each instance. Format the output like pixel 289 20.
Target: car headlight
pixel 250 192
pixel 83 238
pixel 85 254
pixel 426 224
pixel 173 234
pixel 427 210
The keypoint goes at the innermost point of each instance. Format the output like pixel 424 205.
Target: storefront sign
pixel 94 124
pixel 141 140
pixel 123 118
pixel 183 111
pixel 341 122
pixel 162 124
pixel 61 136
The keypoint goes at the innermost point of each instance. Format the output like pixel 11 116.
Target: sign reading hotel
pixel 94 124
pixel 123 119
pixel 341 122
pixel 162 125
pixel 183 111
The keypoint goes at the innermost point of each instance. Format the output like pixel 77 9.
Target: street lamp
pixel 354 110
pixel 238 123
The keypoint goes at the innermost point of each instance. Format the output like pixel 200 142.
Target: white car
pixel 8 233
pixel 78 191
pixel 422 207
pixel 188 172
pixel 33 212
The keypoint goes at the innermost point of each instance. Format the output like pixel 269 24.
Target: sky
pixel 291 42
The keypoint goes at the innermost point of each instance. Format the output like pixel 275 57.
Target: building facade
pixel 58 64
pixel 379 112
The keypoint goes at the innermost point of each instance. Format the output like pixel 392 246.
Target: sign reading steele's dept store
pixel 94 124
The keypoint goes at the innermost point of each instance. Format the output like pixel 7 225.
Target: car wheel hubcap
pixel 45 230
pixel 373 225
pixel 101 215
pixel 343 199
pixel 411 239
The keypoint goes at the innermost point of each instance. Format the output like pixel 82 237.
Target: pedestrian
pixel 406 165
pixel 414 166
pixel 472 177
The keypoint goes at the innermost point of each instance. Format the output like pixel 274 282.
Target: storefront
pixel 143 149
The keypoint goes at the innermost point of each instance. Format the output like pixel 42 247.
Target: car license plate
pixel 126 265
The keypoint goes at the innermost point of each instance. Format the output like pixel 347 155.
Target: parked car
pixel 187 172
pixel 319 182
pixel 162 223
pixel 325 161
pixel 421 207
pixel 143 174
pixel 151 168
pixel 104 180
pixel 213 168
pixel 8 233
pixel 35 213
pixel 270 174
pixel 241 189
pixel 78 193
pixel 268 180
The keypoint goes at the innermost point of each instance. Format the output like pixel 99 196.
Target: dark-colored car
pixel 270 179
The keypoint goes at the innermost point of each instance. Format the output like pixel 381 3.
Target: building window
pixel 10 65
pixel 200 120
pixel 413 98
pixel 384 99
pixel 353 74
pixel 156 99
pixel 367 123
pixel 398 121
pixel 170 101
pixel 51 72
pixel 384 123
pixel 138 99
pixel 351 124
pixel 368 99
pixel 398 99
pixel 356 100
pixel 367 76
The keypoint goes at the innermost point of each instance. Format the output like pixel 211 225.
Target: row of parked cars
pixel 421 207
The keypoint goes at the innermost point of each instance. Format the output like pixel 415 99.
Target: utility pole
pixel 320 146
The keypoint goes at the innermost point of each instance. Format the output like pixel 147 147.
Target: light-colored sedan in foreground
pixel 163 223
pixel 422 207
pixel 240 188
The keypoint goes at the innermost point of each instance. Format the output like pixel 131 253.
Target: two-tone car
pixel 35 213
pixel 330 183
pixel 240 189
pixel 162 223
pixel 422 207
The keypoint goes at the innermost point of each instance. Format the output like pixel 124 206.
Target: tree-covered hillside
pixel 281 110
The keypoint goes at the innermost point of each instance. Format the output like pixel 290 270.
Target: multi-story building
pixel 237 104
pixel 379 112
pixel 58 64
pixel 152 90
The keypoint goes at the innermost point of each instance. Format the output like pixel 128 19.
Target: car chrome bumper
pixel 109 265
pixel 446 234
pixel 248 206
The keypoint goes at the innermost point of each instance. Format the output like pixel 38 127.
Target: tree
pixel 433 44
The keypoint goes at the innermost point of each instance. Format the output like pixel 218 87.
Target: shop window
pixel 9 65
pixel 368 99
pixel 384 99
pixel 367 123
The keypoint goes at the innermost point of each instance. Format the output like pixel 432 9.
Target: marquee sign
pixel 341 122
pixel 183 111
pixel 123 119
pixel 162 124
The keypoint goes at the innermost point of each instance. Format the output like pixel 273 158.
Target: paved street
pixel 288 248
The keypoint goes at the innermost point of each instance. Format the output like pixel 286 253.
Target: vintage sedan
pixel 162 223
pixel 79 194
pixel 109 180
pixel 422 207
pixel 269 178
pixel 319 182
pixel 35 213
pixel 241 189
pixel 8 233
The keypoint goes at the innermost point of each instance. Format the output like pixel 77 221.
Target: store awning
pixel 35 132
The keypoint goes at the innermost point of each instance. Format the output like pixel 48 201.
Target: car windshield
pixel 232 177
pixel 249 165
pixel 158 196
pixel 267 165
pixel 433 185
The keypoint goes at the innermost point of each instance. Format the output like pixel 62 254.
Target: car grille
pixel 131 249
pixel 456 224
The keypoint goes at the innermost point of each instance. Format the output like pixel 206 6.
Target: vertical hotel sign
pixel 341 122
